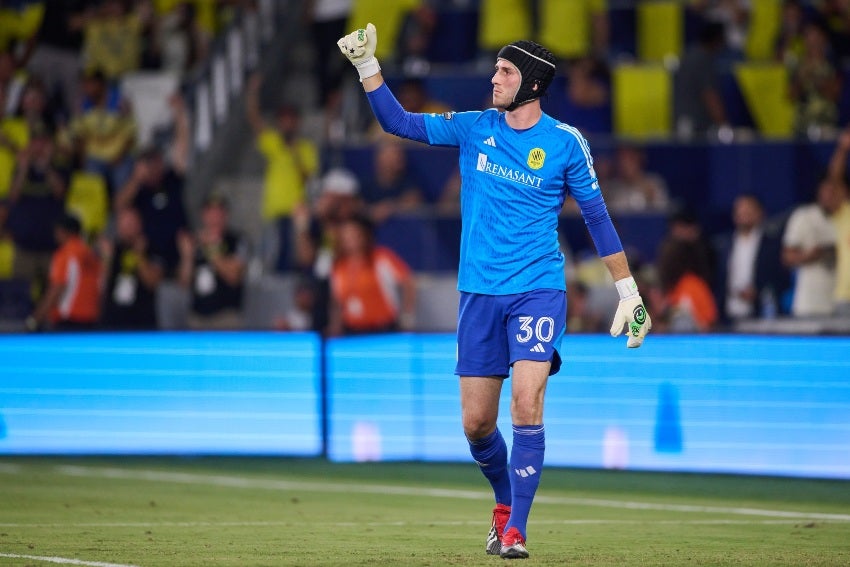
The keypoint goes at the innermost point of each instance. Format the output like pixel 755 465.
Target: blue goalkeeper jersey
pixel 513 185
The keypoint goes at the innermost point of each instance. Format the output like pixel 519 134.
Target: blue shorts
pixel 494 331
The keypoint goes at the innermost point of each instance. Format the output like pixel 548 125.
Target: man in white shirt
pixel 748 215
pixel 809 248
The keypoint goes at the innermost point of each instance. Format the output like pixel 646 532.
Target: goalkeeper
pixel 517 166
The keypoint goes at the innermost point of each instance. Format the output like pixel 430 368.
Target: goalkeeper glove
pixel 359 47
pixel 631 312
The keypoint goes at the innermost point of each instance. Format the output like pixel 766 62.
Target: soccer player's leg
pixel 483 363
pixel 536 326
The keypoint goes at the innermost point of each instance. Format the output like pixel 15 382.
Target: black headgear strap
pixel 536 66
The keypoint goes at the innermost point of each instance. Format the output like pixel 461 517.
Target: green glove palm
pixel 630 312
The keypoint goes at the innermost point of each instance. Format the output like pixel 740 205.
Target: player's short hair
pixel 536 66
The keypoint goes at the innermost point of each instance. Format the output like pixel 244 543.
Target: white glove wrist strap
pixel 368 68
pixel 627 288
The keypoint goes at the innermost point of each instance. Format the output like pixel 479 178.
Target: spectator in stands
pixel 372 288
pixel 815 84
pixel 212 267
pixel 413 93
pixel 35 107
pixel 13 138
pixel 56 58
pixel 683 226
pixel 809 249
pixel 291 162
pixel 71 302
pixel 112 37
pixel 131 276
pixel 155 189
pixel 698 105
pixel 104 134
pixel 732 15
pixel 327 22
pixel 414 39
pixel 316 233
pixel 633 189
pixel 689 303
pixel 580 316
pixel 391 189
pixel 20 22
pixel 834 17
pixel 11 83
pixel 180 42
pixel 837 205
pixel 751 277
pixel 587 105
pixel 37 200
pixel 789 39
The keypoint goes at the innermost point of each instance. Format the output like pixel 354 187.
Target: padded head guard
pixel 536 66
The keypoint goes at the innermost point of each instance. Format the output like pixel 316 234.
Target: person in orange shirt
pixel 372 289
pixel 690 304
pixel 71 301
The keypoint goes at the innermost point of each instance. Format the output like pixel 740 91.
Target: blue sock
pixel 491 454
pixel 526 466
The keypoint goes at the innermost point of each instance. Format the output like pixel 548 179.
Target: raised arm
pixel 359 48
pixel 252 103
pixel 182 135
pixel 838 162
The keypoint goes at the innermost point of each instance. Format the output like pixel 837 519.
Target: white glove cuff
pixel 368 68
pixel 627 288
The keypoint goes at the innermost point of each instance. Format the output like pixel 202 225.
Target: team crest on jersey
pixel 535 158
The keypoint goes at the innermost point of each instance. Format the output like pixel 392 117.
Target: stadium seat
pixel 7 258
pixel 553 14
pixel 642 100
pixel 660 30
pixel 19 21
pixel 16 134
pixel 501 22
pixel 88 199
pixel 765 88
pixel 765 18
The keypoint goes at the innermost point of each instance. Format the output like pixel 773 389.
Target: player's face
pixel 506 82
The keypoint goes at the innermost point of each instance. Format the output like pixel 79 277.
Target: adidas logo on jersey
pixel 490 141
pixel 537 348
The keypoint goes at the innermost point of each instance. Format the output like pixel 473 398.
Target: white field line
pixel 270 484
pixel 63 560
pixel 574 522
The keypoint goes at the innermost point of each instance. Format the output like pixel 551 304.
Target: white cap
pixel 340 181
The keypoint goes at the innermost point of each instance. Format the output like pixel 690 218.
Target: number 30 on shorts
pixel 543 329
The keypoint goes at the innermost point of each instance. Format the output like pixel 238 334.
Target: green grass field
pixel 251 512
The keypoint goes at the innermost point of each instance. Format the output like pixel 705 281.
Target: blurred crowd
pixel 93 224
pixel 91 220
